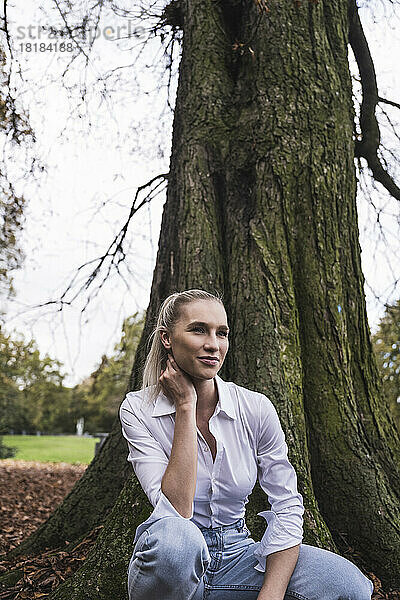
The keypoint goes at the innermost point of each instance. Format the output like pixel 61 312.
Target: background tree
pixel 8 396
pixel 261 206
pixel 32 394
pixel 14 130
pixel 33 397
pixel 386 343
pixel 105 387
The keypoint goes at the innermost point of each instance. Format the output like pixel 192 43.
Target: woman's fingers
pixel 168 367
pixel 172 362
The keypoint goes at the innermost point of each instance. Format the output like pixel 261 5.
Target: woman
pixel 197 445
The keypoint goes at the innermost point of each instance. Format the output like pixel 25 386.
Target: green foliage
pixel 104 390
pixel 13 127
pixel 6 451
pixel 386 343
pixel 32 395
pixel 11 216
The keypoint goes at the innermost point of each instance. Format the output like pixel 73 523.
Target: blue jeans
pixel 176 560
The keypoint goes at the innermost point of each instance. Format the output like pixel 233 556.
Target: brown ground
pixel 29 492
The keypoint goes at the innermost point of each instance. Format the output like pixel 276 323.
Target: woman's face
pixel 199 339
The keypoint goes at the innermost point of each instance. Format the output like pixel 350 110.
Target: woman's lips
pixel 209 361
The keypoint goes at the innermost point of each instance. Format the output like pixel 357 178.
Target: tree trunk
pixel 261 206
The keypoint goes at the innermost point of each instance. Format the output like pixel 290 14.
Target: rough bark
pixel 261 206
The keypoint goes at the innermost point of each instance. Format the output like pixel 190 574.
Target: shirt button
pixel 205 448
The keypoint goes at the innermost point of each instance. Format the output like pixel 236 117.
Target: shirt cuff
pixel 163 508
pixel 278 536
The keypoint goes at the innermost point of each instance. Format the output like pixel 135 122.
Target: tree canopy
pixel 14 131
pixel 386 342
pixel 33 396
pixel 101 393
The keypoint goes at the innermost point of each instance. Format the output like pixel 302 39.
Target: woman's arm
pixel 179 480
pixel 278 479
pixel 280 566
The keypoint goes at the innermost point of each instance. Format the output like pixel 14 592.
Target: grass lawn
pixel 52 448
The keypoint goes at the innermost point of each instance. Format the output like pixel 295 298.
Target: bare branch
pixel 392 125
pixel 6 28
pixel 113 256
pixel 367 146
pixel 396 104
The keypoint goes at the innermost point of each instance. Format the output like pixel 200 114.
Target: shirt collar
pixel 164 406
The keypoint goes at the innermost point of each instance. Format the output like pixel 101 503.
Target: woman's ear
pixel 164 335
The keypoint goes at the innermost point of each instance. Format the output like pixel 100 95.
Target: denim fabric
pixel 174 559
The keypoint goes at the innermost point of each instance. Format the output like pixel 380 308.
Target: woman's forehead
pixel 205 311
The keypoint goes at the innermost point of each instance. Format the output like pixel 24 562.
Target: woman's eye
pixel 201 330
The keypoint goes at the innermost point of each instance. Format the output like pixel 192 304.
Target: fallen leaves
pixel 42 574
pixel 29 492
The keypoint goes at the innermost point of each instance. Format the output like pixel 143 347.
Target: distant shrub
pixel 6 451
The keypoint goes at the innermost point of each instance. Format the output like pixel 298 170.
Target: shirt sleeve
pixel 278 479
pixel 149 461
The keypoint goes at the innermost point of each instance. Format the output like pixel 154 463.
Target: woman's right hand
pixel 177 385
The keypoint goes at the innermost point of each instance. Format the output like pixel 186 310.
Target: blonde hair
pixel 170 312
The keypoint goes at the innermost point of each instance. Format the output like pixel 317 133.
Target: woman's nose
pixel 211 341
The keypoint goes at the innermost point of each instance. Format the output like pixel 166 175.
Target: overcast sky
pixel 96 154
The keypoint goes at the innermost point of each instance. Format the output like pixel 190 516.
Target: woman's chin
pixel 204 375
pixel 200 372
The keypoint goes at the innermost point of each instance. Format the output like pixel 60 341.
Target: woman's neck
pixel 207 396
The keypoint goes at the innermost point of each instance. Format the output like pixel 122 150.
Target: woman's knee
pixel 321 573
pixel 352 584
pixel 176 543
pixel 349 582
pixel 172 555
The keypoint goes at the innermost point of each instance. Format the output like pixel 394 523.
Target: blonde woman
pixel 197 445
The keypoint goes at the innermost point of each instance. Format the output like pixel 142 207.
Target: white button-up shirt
pixel 250 445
